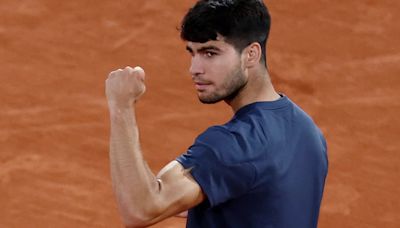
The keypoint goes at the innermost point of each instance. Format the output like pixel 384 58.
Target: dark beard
pixel 231 88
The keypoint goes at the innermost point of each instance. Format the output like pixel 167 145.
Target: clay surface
pixel 339 60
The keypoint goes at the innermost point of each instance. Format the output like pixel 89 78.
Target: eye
pixel 210 54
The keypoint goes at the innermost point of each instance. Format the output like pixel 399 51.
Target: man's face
pixel 216 70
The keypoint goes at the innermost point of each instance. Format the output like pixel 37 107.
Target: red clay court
pixel 339 60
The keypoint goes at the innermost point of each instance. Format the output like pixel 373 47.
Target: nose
pixel 196 67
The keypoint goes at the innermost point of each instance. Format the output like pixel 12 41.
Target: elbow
pixel 134 225
pixel 134 221
pixel 134 218
pixel 138 211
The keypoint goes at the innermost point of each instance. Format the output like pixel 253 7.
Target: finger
pixel 140 72
pixel 135 70
pixel 138 68
pixel 128 69
pixel 114 73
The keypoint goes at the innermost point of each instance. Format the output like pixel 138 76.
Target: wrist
pixel 114 104
pixel 119 107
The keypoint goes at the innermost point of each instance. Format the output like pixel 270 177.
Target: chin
pixel 209 100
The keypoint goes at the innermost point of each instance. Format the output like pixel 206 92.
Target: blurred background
pixel 339 60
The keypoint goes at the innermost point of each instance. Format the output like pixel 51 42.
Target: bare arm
pixel 143 198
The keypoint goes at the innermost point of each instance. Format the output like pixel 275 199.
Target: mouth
pixel 201 86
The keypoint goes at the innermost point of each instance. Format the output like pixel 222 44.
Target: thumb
pixel 140 72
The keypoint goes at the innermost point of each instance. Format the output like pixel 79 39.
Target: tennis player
pixel 264 168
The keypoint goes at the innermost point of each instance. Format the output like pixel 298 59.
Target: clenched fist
pixel 124 87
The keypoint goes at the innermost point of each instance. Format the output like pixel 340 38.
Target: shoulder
pixel 215 135
pixel 218 140
pixel 229 144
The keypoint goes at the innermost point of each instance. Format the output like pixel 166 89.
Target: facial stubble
pixel 230 88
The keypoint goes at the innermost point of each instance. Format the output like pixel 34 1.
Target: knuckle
pixel 128 69
pixel 114 73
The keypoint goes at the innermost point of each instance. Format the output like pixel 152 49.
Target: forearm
pixel 141 198
pixel 133 182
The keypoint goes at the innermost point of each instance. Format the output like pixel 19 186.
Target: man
pixel 265 168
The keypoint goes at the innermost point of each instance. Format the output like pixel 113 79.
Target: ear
pixel 253 54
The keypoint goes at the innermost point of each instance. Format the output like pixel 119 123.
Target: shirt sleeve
pixel 215 163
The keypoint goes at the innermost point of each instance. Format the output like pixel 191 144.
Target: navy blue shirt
pixel 265 168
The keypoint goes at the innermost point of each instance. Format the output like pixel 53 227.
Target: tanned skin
pixel 142 197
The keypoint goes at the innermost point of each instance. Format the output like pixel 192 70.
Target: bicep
pixel 178 191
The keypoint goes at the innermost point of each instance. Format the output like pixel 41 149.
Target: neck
pixel 258 88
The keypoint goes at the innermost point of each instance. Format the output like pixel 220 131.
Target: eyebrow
pixel 203 49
